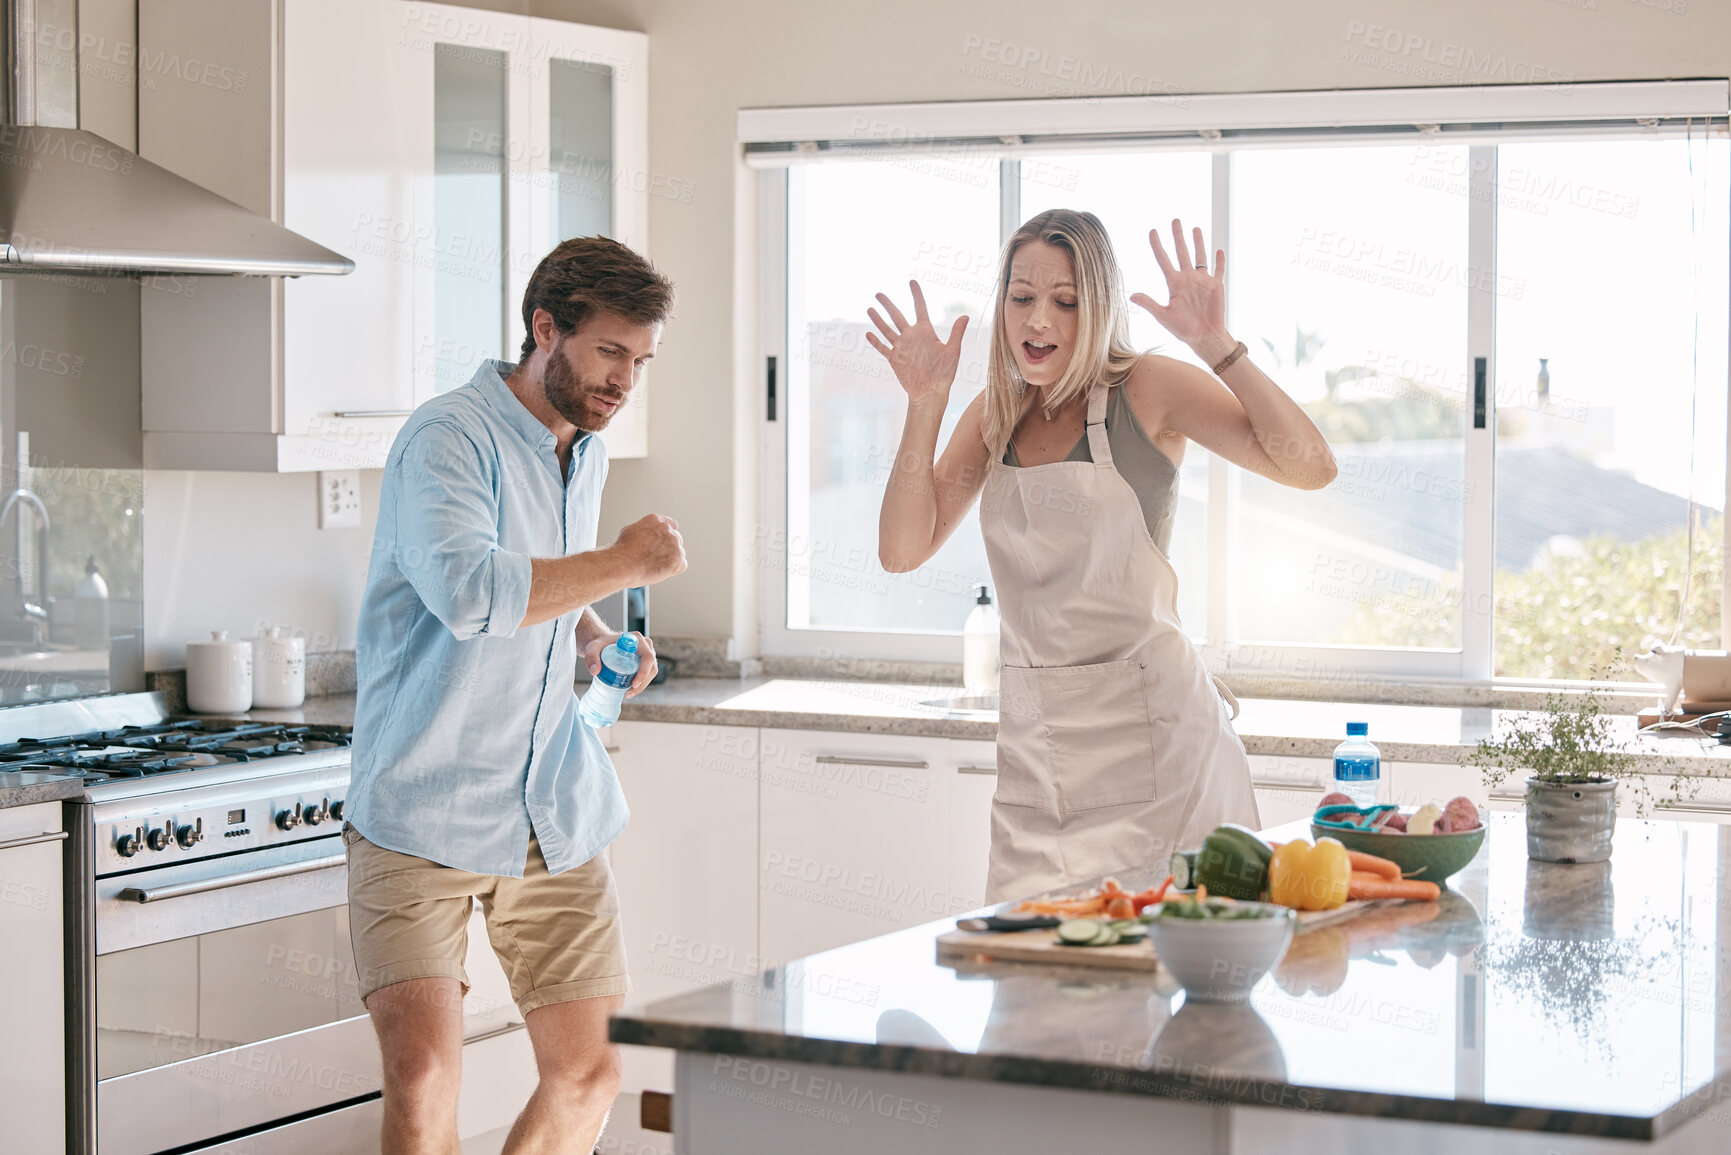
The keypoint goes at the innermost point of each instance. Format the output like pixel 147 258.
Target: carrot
pixel 1152 895
pixel 1366 885
pixel 1374 865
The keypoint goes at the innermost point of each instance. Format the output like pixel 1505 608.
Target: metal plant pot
pixel 1570 821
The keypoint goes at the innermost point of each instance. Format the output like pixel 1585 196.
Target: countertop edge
pixel 638 1030
pixel 985 730
pixel 37 792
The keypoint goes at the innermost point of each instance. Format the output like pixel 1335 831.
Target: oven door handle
pixel 158 893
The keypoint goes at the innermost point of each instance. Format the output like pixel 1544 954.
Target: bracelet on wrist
pixel 1227 361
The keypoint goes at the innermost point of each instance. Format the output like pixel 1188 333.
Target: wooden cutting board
pixel 1042 946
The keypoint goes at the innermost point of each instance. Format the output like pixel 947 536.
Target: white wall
pixel 711 57
pixel 234 551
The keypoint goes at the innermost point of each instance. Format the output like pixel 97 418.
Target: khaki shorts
pixel 557 936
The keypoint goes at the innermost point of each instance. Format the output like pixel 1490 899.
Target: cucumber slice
pixel 1078 931
pixel 1183 868
pixel 1106 937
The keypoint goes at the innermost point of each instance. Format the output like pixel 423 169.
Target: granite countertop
pixel 1582 999
pixel 1291 728
pixel 27 787
pixel 325 710
pixel 1283 727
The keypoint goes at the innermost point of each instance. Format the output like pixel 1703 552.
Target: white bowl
pixel 1222 959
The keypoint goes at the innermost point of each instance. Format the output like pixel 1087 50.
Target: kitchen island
pixel 1536 1008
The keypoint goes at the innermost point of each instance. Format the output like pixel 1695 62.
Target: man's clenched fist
pixel 654 548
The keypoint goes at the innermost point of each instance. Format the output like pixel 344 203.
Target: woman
pixel 1115 747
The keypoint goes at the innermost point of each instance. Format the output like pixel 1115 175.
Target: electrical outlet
pixel 340 499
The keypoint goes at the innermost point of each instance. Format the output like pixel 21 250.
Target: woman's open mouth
pixel 1037 351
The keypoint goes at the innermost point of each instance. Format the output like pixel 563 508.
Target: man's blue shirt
pixel 466 729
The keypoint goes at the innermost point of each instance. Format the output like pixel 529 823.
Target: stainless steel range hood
pixel 74 203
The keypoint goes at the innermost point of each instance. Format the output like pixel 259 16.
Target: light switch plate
pixel 340 499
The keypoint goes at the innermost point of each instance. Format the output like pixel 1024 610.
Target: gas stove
pixel 203 851
pixel 135 752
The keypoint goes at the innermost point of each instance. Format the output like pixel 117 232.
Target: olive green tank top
pixel 1150 472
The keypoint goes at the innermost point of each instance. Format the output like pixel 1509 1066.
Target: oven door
pixel 226 998
pixel 227 1002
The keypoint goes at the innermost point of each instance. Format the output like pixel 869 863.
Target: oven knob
pixel 315 815
pixel 127 844
pixel 337 810
pixel 188 835
pixel 289 819
pixel 157 839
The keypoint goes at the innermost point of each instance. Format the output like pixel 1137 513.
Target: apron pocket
pixel 1098 736
pixel 1024 762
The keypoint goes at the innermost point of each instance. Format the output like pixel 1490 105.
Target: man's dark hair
pixel 587 275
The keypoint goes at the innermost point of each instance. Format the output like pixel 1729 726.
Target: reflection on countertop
pixel 1533 997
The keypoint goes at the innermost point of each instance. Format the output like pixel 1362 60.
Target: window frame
pixel 780 141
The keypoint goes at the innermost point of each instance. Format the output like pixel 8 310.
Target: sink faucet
pixel 35 612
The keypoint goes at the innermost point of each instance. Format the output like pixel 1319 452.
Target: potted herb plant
pixel 1574 755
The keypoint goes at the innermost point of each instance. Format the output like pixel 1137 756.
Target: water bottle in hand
pixel 600 703
pixel 1358 766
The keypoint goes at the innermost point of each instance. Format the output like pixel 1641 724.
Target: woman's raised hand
pixel 1195 308
pixel 923 364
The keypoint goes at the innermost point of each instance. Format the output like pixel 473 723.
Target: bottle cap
pixel 1357 729
pixel 627 643
pixel 985 596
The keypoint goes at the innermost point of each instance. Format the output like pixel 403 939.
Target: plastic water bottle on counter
pixel 1358 765
pixel 600 703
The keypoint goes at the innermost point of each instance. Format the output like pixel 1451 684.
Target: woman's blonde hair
pixel 1103 352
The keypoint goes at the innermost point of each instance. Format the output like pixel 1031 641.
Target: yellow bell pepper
pixel 1306 877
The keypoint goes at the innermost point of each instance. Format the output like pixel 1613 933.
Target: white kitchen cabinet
pixel 32 1013
pixel 1415 783
pixel 973 780
pixel 1703 800
pixel 1288 788
pixel 686 866
pixel 854 838
pixel 443 149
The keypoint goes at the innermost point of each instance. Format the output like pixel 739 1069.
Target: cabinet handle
pixel 1697 807
pixel 830 760
pixel 32 840
pixel 372 413
pixel 1509 795
pixel 1301 787
pixel 611 749
pixel 977 770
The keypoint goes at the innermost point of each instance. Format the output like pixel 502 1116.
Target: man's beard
pixel 568 395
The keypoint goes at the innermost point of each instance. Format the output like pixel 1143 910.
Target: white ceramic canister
pixel 219 675
pixel 279 669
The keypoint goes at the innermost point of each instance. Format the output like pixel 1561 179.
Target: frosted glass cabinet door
pixel 588 131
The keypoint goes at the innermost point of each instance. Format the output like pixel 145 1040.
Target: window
pixel 1611 339
pixel 1372 273
pixel 856 230
pixel 1347 276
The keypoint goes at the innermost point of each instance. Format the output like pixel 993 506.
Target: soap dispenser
pixel 980 645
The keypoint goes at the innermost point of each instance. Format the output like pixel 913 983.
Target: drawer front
pixel 854 838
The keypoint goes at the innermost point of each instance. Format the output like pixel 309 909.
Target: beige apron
pixel 1115 746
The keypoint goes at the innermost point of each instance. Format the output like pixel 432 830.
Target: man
pixel 473 777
